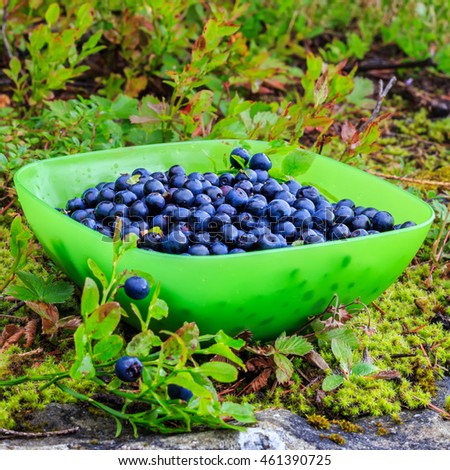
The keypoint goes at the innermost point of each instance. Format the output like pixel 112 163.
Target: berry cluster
pixel 208 214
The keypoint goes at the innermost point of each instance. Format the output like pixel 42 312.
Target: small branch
pixel 4 36
pixel 442 184
pixel 4 209
pixel 16 307
pixel 382 93
pixel 7 433
pixel 365 67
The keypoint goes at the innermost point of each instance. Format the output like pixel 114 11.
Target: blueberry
pixel 160 176
pixel 153 240
pixel 155 203
pixel 183 197
pixel 175 242
pixel 246 175
pixel 138 210
pixel 322 204
pixel 283 241
pixel 270 188
pixel 202 238
pixel 256 206
pixel 130 229
pixel 199 220
pixel 125 197
pixel 408 224
pixel 309 192
pixel 177 181
pixel 269 241
pixel 244 221
pixel 293 186
pixel 372 232
pixel 383 221
pixel 287 230
pixel 103 209
pixel 209 208
pixel 202 199
pixel 239 158
pixel 257 188
pixel 177 392
pixel 226 179
pixel 121 182
pixel 359 210
pixel 278 210
pixel 161 221
pixel 214 193
pixel 218 220
pixel 260 161
pixel 90 223
pixel 198 250
pixel 338 232
pixel 237 198
pixel 138 189
pixel 227 209
pixel 359 233
pixel 180 214
pixel 106 194
pixel 120 210
pixel 140 171
pixel 154 186
pixel 219 248
pixel 128 368
pixel 313 239
pixel 226 189
pixel 90 197
pixel 303 203
pixel 236 251
pixel 246 185
pixel 360 221
pixel 176 170
pixel 229 234
pixel 212 178
pixel 104 230
pixel 136 287
pixel 75 204
pixel 369 212
pixel 246 241
pixel 195 175
pixel 286 196
pixel 343 214
pixel 194 185
pixel 323 219
pixel 261 176
pixel 79 215
pixel 346 203
pixel 259 231
pixel 302 219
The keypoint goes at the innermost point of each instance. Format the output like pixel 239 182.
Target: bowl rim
pixel 18 175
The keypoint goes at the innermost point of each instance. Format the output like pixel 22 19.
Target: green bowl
pixel 267 292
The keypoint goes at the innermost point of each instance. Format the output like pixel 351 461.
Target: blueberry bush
pixel 364 82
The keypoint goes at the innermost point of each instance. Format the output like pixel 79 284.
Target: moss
pixel 336 438
pixel 447 404
pixel 318 421
pixel 348 426
pixel 381 430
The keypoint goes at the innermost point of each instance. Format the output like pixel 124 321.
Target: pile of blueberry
pixel 208 214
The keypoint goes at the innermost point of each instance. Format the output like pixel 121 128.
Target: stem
pixel 4 36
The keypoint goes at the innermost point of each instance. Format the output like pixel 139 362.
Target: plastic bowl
pixel 267 292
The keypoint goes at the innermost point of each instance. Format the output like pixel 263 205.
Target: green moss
pixel 336 438
pixel 447 404
pixel 318 421
pixel 348 426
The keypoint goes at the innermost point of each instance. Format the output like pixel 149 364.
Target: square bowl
pixel 267 292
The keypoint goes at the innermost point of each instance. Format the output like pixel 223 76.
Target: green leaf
pixel 220 371
pixel 362 368
pixel 331 382
pixel 97 272
pixel 81 342
pixel 90 298
pixel 82 368
pixel 108 347
pixel 185 379
pixel 57 292
pixel 174 351
pixel 189 334
pixel 134 179
pixel 34 284
pixel 222 350
pixel 296 163
pixel 234 343
pixel 124 106
pixel 343 353
pixel 284 369
pixel 243 413
pixel 341 334
pixel 141 344
pixel 104 320
pixel 15 67
pixel 52 14
pixel 321 90
pixel 292 345
pixel 21 293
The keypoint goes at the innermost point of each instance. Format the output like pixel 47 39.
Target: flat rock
pixel 276 429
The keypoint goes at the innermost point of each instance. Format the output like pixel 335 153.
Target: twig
pixel 4 36
pixel 443 184
pixel 382 93
pixel 364 67
pixel 379 309
pixel 444 414
pixel 4 433
pixel 16 307
pixel 14 318
pixel 4 209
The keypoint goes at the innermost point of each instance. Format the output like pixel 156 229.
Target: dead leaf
pixel 258 382
pixel 387 375
pixel 315 359
pixel 5 101
pixel 11 335
pixel 30 332
pixel 71 323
